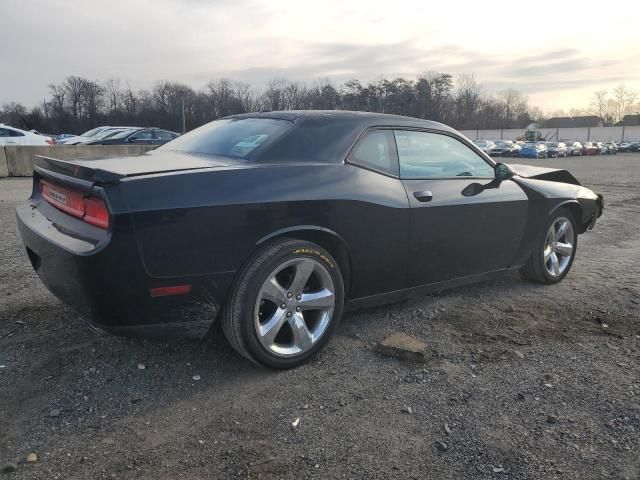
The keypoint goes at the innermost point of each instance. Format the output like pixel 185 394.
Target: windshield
pixel 111 133
pixel 121 134
pixel 552 144
pixel 234 137
pixel 92 132
pixel 108 133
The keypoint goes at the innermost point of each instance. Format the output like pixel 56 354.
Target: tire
pixel 284 262
pixel 537 269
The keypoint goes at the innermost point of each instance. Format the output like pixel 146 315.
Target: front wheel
pixel 285 304
pixel 554 250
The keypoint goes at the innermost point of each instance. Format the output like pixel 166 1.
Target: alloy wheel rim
pixel 558 247
pixel 294 307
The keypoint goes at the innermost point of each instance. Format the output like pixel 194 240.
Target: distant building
pixel 631 120
pixel 573 122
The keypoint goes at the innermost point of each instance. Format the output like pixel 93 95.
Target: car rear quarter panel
pixel 197 223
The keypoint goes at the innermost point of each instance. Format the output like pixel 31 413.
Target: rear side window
pixel 376 150
pixel 234 137
pixel 434 155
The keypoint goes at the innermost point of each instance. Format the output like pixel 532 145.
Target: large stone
pixel 404 347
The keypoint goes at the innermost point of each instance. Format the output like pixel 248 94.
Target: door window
pixel 165 135
pixel 142 135
pixel 434 155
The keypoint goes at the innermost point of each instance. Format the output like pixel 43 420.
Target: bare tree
pixel 114 94
pixel 624 101
pixel 74 87
pixel 603 107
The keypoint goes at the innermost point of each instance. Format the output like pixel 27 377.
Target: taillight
pixel 95 212
pixel 90 209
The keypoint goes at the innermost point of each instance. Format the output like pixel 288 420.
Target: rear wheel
pixel 285 304
pixel 554 249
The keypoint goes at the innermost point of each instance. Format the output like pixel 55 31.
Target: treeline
pixel 79 104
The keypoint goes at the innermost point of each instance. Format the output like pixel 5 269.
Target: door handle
pixel 425 196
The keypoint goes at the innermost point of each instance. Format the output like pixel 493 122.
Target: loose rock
pixel 9 467
pixel 141 366
pixel 403 347
pixel 406 409
pixel 196 377
pixel 32 458
pixel 442 446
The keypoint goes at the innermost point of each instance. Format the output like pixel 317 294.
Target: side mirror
pixel 503 172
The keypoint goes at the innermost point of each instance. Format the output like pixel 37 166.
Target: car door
pixel 463 221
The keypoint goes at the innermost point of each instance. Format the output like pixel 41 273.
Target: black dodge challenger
pixel 276 222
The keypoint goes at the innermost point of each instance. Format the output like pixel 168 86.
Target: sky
pixel 556 52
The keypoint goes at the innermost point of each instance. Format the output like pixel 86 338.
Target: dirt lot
pixel 524 381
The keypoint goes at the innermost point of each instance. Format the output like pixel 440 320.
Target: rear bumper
pixel 106 283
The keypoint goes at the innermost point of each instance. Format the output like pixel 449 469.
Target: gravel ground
pixel 522 381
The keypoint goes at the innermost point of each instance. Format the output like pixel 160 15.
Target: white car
pixel 15 136
pixel 93 134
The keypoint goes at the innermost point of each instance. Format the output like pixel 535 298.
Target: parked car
pixel 635 147
pixel 277 239
pixel 601 148
pixel 624 147
pixel 556 149
pixel 486 146
pixel 574 148
pixel 77 139
pixel 62 136
pixel 91 135
pixel 15 136
pixel 534 150
pixel 589 148
pixel 612 148
pixel 505 148
pixel 136 136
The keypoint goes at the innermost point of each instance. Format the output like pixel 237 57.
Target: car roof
pixel 364 119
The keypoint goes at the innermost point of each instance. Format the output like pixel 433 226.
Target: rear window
pixel 234 137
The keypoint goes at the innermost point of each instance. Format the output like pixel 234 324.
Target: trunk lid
pixel 112 169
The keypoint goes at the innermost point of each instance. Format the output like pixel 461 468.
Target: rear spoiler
pixel 55 167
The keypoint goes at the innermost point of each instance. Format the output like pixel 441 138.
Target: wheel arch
pixel 328 239
pixel 576 210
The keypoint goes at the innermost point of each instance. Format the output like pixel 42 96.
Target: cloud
pixel 195 41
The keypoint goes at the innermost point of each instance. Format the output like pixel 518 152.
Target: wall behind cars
pixel 584 134
pixel 17 160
